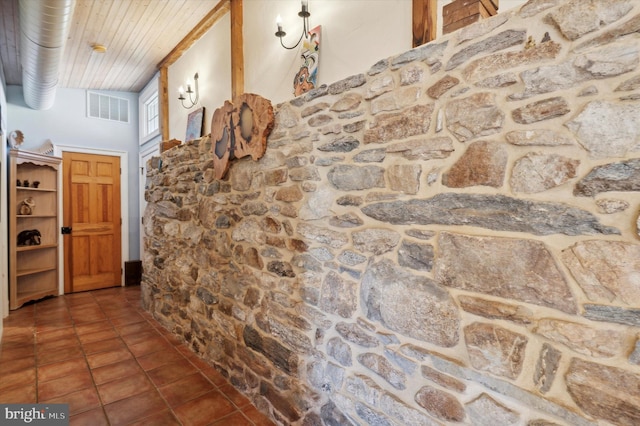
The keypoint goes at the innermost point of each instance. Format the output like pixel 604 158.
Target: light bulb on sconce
pixel 181 93
pixel 304 14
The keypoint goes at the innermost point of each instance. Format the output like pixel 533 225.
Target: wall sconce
pixel 181 92
pixel 304 14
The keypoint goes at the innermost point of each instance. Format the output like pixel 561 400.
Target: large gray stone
pixel 409 304
pixel 491 44
pixel 496 212
pixel 621 176
pixel 513 269
pixel 608 129
pixel 607 271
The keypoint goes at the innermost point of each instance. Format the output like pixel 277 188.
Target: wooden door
pixel 91 204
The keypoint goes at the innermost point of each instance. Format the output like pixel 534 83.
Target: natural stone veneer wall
pixel 448 238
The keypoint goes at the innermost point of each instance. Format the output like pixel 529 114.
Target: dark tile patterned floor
pixel 113 364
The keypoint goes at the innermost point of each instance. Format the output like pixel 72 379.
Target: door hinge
pixel 121 271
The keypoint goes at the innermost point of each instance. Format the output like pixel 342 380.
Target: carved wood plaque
pixel 240 129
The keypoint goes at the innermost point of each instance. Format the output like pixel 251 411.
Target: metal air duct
pixel 44 26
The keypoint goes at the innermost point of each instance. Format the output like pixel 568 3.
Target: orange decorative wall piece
pixel 240 129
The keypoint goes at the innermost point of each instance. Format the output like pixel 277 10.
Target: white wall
pixel 66 123
pixel 355 35
pixel 210 57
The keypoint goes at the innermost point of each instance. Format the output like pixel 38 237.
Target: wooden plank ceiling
pixel 138 35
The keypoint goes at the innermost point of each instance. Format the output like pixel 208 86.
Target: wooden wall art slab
pixel 240 129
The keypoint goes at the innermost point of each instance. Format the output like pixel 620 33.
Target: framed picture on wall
pixel 195 122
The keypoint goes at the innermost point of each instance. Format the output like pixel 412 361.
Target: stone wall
pixel 448 238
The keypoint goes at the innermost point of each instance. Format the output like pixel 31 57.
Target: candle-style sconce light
pixel 304 14
pixel 190 92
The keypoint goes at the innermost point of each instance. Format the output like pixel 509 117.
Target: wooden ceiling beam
pixel 425 15
pixel 221 9
pixel 194 35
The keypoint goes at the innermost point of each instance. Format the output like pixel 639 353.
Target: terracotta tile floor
pixel 113 364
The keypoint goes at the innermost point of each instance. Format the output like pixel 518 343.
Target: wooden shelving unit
pixel 33 269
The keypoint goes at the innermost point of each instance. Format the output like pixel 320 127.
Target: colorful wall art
pixel 307 76
pixel 194 124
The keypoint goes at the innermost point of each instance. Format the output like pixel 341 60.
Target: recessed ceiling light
pixel 99 48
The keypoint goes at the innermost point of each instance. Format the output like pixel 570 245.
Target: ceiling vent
pixel 44 26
